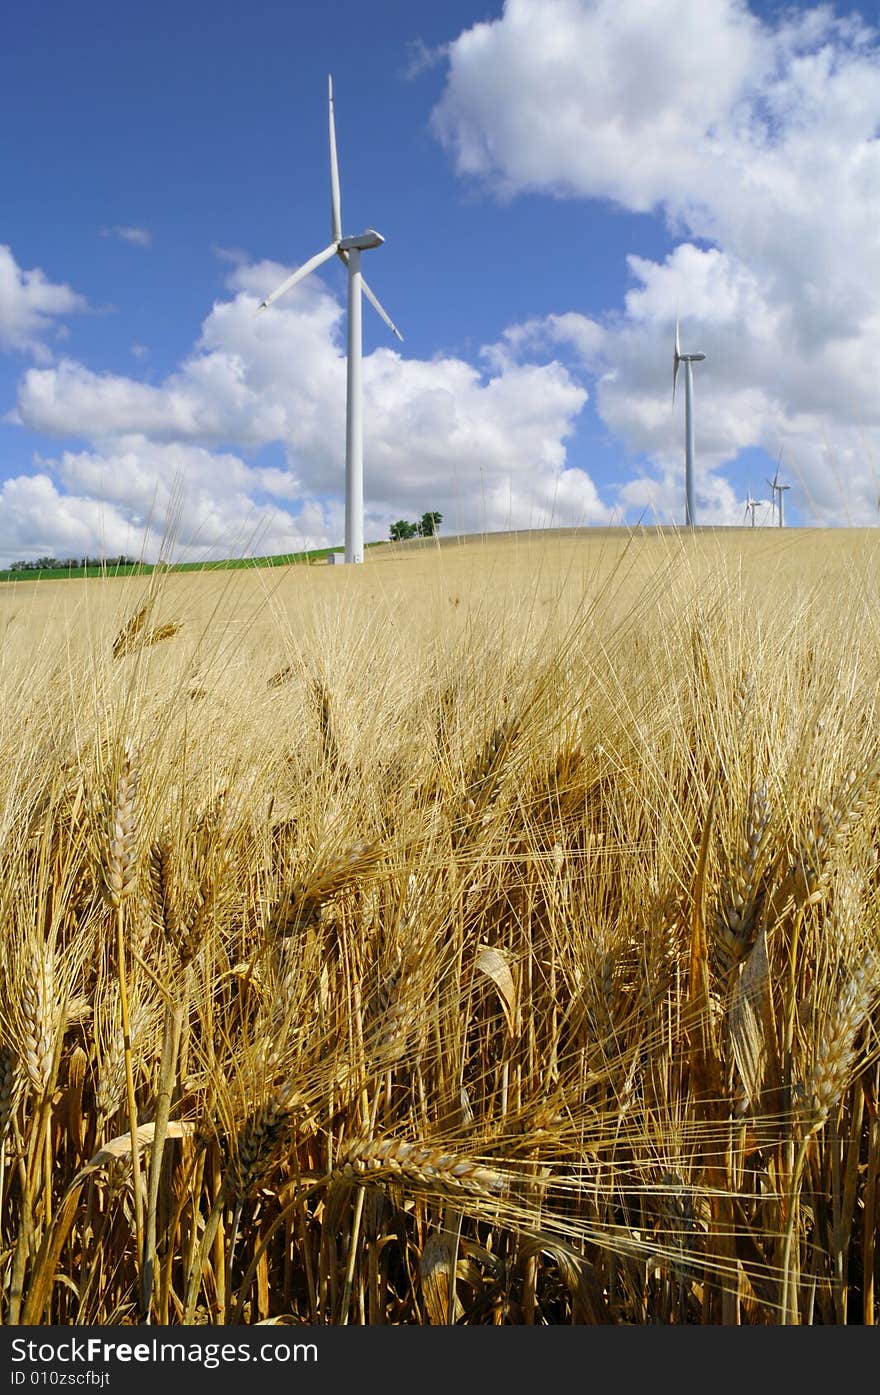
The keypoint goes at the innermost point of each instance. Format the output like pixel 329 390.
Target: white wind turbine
pixel 349 250
pixel 687 359
pixel 778 488
pixel 752 504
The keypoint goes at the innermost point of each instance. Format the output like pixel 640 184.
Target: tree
pixel 401 530
pixel 430 524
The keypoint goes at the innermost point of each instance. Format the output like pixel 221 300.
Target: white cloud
pixel 226 503
pixel 138 237
pixel 569 330
pixel 486 447
pixel 758 143
pixel 36 520
pixel 30 305
pixel 604 98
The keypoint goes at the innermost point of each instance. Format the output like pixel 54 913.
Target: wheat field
pixel 489 934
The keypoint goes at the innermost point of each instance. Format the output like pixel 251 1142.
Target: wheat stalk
pixel 110 1091
pixel 330 756
pixel 119 873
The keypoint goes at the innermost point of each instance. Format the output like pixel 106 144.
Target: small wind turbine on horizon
pixel 752 504
pixel 777 488
pixel 348 249
pixel 678 357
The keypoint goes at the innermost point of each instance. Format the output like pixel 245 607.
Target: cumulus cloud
pixel 484 444
pixel 137 237
pixel 757 142
pixel 30 307
pixel 39 520
pixel 606 98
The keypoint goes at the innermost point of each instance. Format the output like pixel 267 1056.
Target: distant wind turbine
pixel 349 250
pixel 752 504
pixel 778 488
pixel 687 359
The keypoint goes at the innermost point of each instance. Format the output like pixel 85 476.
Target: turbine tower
pixel 349 250
pixel 687 359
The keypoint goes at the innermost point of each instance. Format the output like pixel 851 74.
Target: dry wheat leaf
pixel 120 1147
pixel 435 1272
pixel 494 964
pixel 748 1020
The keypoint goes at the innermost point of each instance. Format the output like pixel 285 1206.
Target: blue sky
pixel 554 179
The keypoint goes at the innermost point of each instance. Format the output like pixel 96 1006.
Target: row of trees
pixel 427 527
pixel 57 564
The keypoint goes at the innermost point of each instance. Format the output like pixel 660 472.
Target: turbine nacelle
pixel 361 242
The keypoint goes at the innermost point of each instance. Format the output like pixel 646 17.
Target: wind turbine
pixel 348 249
pixel 687 359
pixel 752 504
pixel 778 488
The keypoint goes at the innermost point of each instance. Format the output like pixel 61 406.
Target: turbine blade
pixel 676 358
pixel 299 275
pixel 375 303
pixel 384 314
pixel 335 205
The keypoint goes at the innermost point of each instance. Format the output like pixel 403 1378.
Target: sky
pixel 555 180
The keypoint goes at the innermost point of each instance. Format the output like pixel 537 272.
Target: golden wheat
pixel 508 955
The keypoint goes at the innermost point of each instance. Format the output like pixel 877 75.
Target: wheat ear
pixel 257 1140
pixel 836 1050
pixel 38 1007
pixel 127 638
pixel 734 922
pixel 828 824
pixel 433 1168
pixel 10 1084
